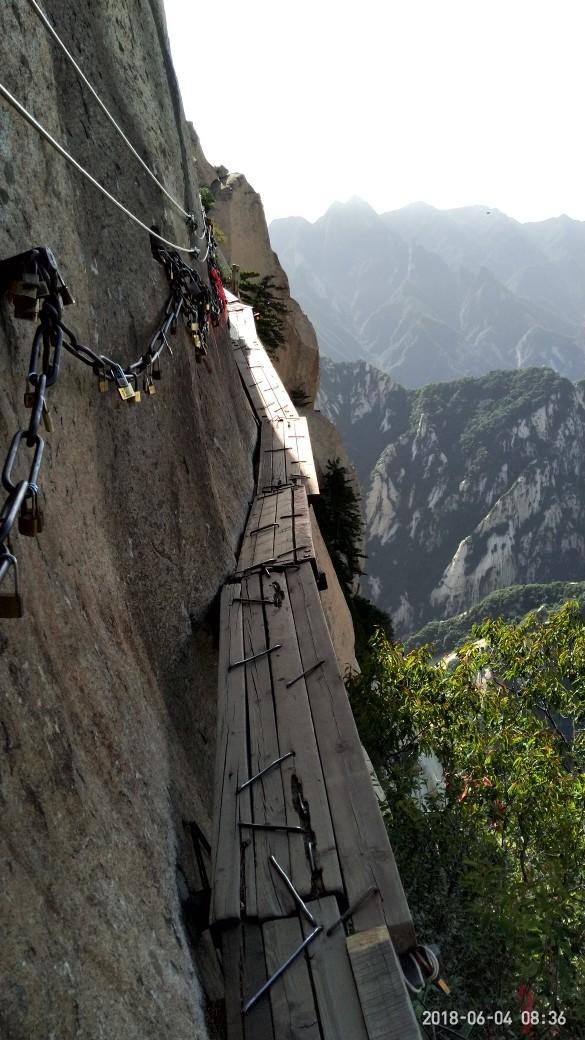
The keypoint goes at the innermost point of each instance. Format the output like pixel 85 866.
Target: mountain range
pixel 469 486
pixel 430 296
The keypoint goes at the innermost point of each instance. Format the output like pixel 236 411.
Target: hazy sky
pixel 452 102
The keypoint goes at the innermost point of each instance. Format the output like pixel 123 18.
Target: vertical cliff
pixel 107 715
pixel 239 212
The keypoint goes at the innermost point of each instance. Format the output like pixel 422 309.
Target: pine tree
pixel 338 512
pixel 269 311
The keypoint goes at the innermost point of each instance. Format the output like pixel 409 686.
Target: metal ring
pixel 11 509
pixel 38 444
pixel 37 411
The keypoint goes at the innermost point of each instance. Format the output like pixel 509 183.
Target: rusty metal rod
pixel 293 892
pixel 265 770
pixel 352 909
pixel 269 982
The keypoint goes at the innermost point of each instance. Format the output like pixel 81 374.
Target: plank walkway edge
pixel 289 761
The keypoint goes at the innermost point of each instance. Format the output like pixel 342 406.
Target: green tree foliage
pixel 338 512
pixel 494 861
pixel 367 618
pixel 269 311
pixel 207 198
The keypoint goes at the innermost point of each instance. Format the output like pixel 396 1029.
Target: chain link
pixel 190 299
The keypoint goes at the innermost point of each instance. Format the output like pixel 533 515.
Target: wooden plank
pixel 286 455
pixel 291 997
pixel 246 557
pixel 231 959
pixel 260 533
pixel 303 533
pixel 232 765
pixel 386 1006
pixel 302 774
pixel 267 793
pixel 338 1002
pixel 258 1020
pixel 365 854
pixel 284 538
pixel 244 969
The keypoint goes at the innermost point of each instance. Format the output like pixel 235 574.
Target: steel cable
pixel 103 106
pixel 69 158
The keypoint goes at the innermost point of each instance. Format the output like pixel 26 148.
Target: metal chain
pixel 22 501
pixel 189 298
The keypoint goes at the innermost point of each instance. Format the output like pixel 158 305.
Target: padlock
pixel 103 382
pixel 25 296
pixel 137 393
pixel 29 398
pixel 147 383
pixel 125 390
pixel 10 602
pixel 156 370
pixel 65 295
pixel 30 518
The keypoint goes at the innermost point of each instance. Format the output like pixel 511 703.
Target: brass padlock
pixel 137 393
pixel 147 383
pixel 30 518
pixel 103 383
pixel 10 602
pixel 125 390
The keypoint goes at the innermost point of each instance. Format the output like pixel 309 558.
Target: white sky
pixel 453 102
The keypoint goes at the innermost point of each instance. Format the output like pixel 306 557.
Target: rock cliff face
pixel 108 684
pixel 238 211
pixel 107 715
pixel 479 485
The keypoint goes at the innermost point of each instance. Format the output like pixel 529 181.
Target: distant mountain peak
pixel 431 295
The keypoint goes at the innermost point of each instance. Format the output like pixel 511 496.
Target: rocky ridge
pixel 479 485
pixel 429 295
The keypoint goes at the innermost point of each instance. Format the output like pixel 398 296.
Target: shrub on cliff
pixel 269 311
pixel 493 861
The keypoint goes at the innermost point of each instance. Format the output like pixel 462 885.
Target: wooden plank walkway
pixel 298 835
pixel 286 456
pixel 278 530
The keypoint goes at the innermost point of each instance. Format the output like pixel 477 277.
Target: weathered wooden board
pixel 231 943
pixel 338 1002
pixel 232 766
pixel 258 1020
pixel 293 1005
pixel 386 1006
pixel 267 898
pixel 365 854
pixel 266 390
pixel 278 530
pixel 303 774
pixel 286 455
pixel 244 969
